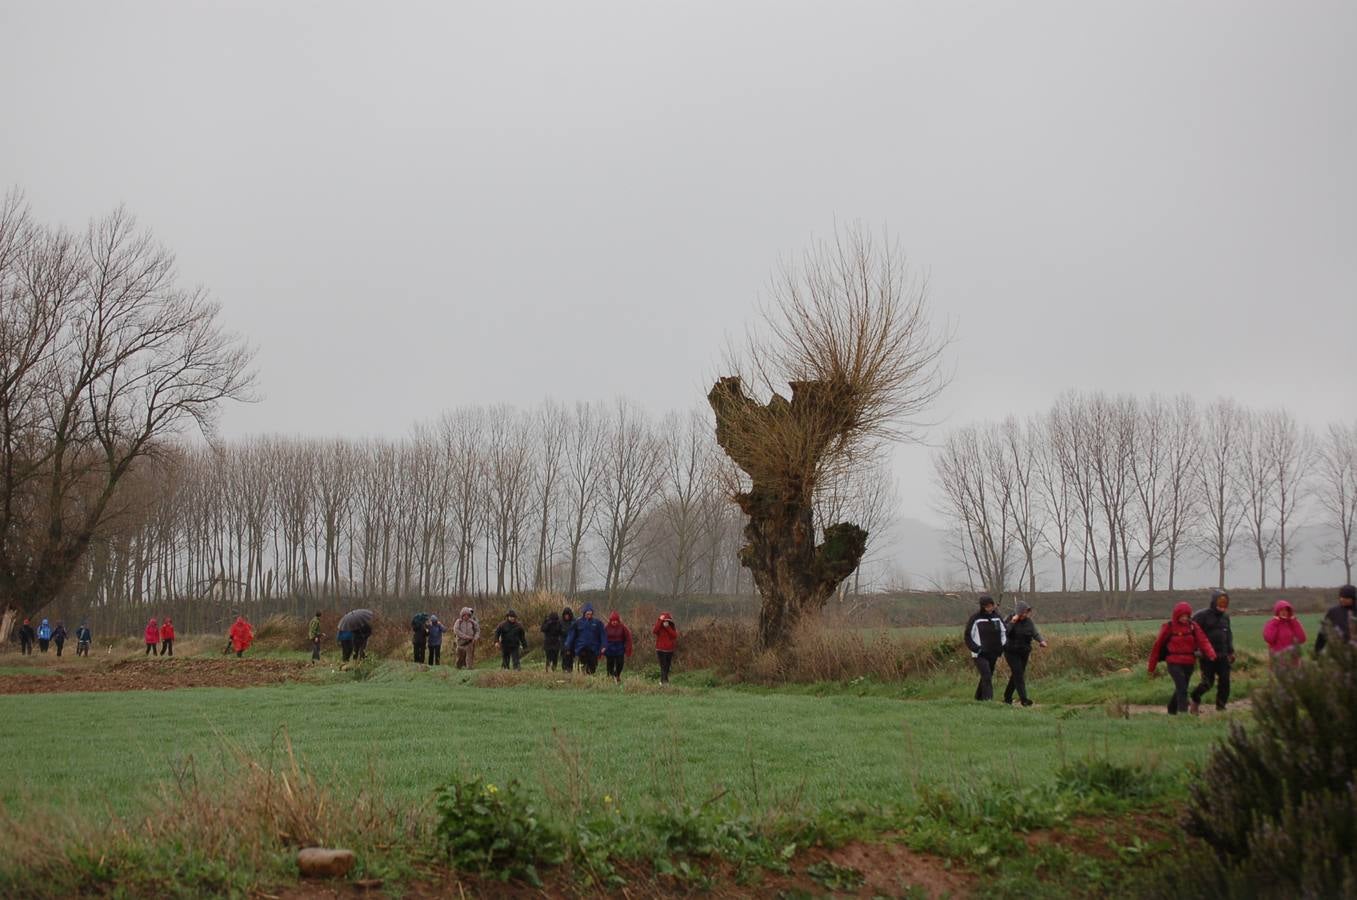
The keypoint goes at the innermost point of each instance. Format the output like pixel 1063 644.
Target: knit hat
pixel 1347 592
pixel 1021 608
pixel 511 615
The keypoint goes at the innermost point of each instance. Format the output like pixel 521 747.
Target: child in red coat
pixel 1180 640
pixel 1284 635
pixel 666 639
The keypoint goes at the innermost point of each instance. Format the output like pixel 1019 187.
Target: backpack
pixel 419 621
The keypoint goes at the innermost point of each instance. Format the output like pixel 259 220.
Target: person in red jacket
pixel 666 639
pixel 152 638
pixel 1180 639
pixel 167 638
pixel 241 636
pixel 616 646
pixel 1284 635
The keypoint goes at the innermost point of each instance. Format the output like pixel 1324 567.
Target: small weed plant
pixel 494 831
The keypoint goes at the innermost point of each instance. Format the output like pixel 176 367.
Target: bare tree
pixel 631 478
pixel 103 358
pixel 1336 491
pixel 584 462
pixel 1057 497
pixel 1256 480
pixel 1184 445
pixel 847 332
pixel 1217 466
pixel 973 472
pixel 1292 453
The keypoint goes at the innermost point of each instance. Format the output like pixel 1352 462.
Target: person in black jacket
pixel 567 655
pixel 985 636
pixel 1339 623
pixel 27 637
pixel 1021 633
pixel 511 640
pixel 552 634
pixel 1215 621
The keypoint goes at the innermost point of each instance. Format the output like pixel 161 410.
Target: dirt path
pixel 153 674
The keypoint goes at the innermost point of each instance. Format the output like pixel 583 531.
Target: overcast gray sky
pixel 408 207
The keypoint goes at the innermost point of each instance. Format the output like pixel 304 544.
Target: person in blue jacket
pixel 44 635
pixel 585 639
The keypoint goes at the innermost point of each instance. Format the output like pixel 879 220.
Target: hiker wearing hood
pixel 1021 633
pixel 59 636
pixel 1180 640
pixel 985 635
pixel 511 640
pixel 242 635
pixel 666 639
pixel 167 638
pixel 567 655
pixel 585 639
pixel 44 635
pixel 1339 623
pixel 83 636
pixel 1284 635
pixel 616 646
pixel 467 631
pixel 1215 622
pixel 552 635
pixel 26 638
pixel 435 630
pixel 151 638
pixel 419 630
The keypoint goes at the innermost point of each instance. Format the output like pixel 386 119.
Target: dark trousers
pixel 59 644
pixel 567 660
pixel 615 664
pixel 588 660
pixel 346 649
pixel 167 647
pixel 419 651
pixel 360 644
pixel 1211 671
pixel 1017 675
pixel 552 654
pixel 985 666
pixel 150 649
pixel 508 656
pixel 82 648
pixel 1181 675
pixel 666 658
pixel 25 647
pixel 435 654
pixel 42 644
pixel 315 648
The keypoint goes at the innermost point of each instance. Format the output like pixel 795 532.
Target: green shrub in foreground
pixel 1276 801
pixel 494 831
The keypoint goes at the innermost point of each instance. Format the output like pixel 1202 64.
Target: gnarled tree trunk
pixel 794 574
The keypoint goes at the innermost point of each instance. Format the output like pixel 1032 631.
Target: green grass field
pixel 947 774
pixel 106 749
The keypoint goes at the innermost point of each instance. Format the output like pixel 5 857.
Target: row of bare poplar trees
pixel 483 501
pixel 1115 492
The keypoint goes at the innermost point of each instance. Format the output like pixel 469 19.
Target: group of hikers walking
pixel 1208 636
pixel 1186 639
pixel 47 635
pixel 567 640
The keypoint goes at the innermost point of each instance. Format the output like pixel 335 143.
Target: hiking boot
pixel 1220 707
pixel 1194 707
pixel 1027 703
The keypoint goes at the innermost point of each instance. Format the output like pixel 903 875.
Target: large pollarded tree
pixel 846 333
pixel 104 356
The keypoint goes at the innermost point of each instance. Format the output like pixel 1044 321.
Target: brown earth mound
pixel 884 869
pixel 154 674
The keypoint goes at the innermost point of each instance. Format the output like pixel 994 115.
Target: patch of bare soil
pixel 888 869
pixel 154 674
pixel 1100 837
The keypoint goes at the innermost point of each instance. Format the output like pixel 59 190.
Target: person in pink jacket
pixel 1284 634
pixel 152 638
